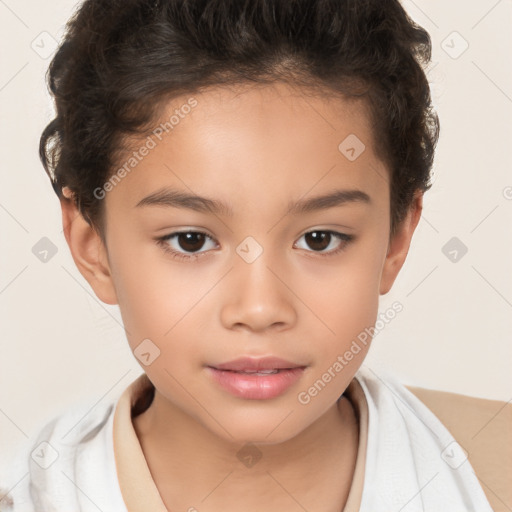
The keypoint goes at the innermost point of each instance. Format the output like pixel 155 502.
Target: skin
pixel 256 149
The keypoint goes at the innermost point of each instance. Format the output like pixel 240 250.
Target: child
pixel 244 179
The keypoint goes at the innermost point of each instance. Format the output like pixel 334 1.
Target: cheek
pixel 163 301
pixel 151 293
pixel 344 296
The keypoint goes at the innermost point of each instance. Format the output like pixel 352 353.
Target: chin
pixel 270 429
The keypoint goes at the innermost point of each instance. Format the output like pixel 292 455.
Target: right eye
pixel 188 241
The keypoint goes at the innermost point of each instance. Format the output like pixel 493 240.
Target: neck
pixel 193 467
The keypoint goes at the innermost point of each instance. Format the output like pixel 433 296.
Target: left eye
pixel 321 240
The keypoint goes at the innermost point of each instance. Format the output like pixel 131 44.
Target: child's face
pixel 256 151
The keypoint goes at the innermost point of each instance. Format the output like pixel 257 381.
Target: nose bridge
pixel 258 297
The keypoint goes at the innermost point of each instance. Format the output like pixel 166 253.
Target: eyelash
pixel 346 239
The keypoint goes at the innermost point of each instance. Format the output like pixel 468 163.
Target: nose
pixel 258 297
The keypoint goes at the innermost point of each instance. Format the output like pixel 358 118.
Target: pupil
pixel 318 237
pixel 192 241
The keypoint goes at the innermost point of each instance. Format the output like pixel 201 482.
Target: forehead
pixel 250 138
pixel 274 116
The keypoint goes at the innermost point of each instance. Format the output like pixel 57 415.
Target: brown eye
pixel 186 244
pixel 318 240
pixel 191 242
pixel 325 242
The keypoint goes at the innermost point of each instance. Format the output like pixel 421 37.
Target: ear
pixel 399 244
pixel 88 251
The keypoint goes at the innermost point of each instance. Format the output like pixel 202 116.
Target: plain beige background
pixel 60 345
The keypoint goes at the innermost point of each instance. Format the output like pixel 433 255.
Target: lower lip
pixel 256 387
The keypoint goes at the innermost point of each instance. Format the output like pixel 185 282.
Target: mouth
pixel 259 372
pixel 256 372
pixel 264 365
pixel 256 383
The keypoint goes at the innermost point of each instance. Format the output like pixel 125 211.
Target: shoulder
pixel 483 428
pixel 36 476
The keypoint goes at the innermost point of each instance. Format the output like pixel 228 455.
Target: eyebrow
pixel 167 197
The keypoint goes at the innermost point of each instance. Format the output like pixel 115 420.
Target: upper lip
pixel 251 363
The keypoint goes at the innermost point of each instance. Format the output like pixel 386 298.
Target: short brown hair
pixel 122 59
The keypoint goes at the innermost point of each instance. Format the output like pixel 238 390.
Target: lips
pixel 256 378
pixel 256 386
pixel 264 365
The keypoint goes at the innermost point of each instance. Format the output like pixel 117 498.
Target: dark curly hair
pixel 121 61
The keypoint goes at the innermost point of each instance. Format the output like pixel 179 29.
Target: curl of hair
pixel 121 61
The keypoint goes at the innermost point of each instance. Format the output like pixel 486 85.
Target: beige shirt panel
pixel 484 429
